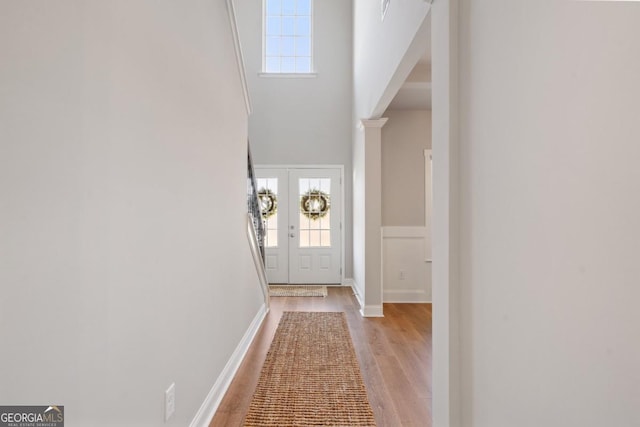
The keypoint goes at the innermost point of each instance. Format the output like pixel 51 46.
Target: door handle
pixel 292 235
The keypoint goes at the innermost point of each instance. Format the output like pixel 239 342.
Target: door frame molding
pixel 342 199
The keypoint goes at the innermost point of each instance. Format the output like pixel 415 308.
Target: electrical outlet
pixel 403 275
pixel 169 401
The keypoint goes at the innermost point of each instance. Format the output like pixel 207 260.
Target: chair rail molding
pixel 406 275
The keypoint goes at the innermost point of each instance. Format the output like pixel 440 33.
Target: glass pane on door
pixel 268 195
pixel 314 212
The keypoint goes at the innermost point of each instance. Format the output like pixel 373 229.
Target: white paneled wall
pixel 406 274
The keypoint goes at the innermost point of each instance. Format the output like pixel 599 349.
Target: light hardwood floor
pixel 394 354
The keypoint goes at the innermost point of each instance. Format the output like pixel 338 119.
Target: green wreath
pixel 315 204
pixel 268 202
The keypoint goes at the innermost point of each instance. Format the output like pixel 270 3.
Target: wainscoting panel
pixel 406 276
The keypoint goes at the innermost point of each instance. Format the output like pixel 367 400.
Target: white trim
pixel 428 203
pixel 403 295
pixel 348 282
pixel 372 123
pixel 365 310
pixel 406 296
pixel 343 227
pixel 342 189
pixel 357 292
pixel 371 311
pixel 384 8
pixel 231 10
pixel 446 381
pixel 212 401
pixel 288 75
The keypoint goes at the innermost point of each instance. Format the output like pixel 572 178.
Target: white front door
pixel 273 191
pixel 314 226
pixel 303 213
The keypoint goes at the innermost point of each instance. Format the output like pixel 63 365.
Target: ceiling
pixel 415 93
pixel 412 96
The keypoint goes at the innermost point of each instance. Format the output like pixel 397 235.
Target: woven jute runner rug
pixel 297 291
pixel 311 376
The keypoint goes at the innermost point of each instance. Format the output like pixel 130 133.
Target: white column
pixel 371 204
pixel 446 404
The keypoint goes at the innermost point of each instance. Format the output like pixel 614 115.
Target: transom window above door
pixel 288 37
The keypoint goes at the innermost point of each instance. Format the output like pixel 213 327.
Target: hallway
pixel 394 354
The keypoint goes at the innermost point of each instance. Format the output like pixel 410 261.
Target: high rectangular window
pixel 288 36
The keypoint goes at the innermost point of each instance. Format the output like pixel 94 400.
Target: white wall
pixel 304 120
pixel 385 52
pixel 368 217
pixel 404 138
pixel 406 274
pixel 124 263
pixel 549 213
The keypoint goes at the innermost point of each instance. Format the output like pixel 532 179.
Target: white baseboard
pixel 357 292
pixel 365 310
pixel 406 296
pixel 210 405
pixel 406 277
pixel 348 282
pixel 372 311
